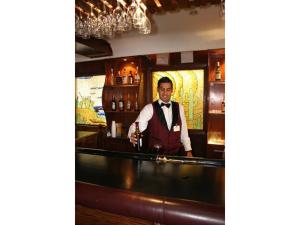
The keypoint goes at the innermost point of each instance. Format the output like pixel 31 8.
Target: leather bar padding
pixel 149 207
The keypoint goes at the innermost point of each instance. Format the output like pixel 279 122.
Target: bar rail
pixel 152 157
pixel 154 208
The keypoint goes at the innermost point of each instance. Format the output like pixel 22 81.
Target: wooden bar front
pixel 184 191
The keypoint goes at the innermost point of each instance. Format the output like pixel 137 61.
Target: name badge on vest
pixel 176 128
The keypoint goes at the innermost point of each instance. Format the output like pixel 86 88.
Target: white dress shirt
pixel 147 113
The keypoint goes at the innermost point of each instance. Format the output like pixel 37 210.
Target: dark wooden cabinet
pixel 88 136
pixel 133 92
pixel 89 141
pixel 121 68
pixel 121 144
pixel 216 151
pixel 216 105
pixel 198 142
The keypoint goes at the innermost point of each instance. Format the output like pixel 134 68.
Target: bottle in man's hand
pixel 138 136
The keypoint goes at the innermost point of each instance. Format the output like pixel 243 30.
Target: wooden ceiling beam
pixel 157 3
pixel 153 6
pixel 166 6
pixel 81 11
pixel 206 2
pixel 83 6
pixel 184 4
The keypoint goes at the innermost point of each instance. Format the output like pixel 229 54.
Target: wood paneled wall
pixel 200 60
pixel 89 216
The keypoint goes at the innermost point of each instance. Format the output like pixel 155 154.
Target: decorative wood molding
pixel 93 47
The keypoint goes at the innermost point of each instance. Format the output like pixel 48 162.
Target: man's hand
pixel 189 154
pixel 133 139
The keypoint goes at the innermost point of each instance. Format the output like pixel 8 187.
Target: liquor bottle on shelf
pixel 138 136
pixel 223 105
pixel 113 104
pixel 112 77
pixel 124 77
pixel 130 78
pixel 137 78
pixel 121 103
pixel 119 78
pixel 218 75
pixel 136 103
pixel 128 104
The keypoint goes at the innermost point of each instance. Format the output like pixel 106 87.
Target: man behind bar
pixel 165 121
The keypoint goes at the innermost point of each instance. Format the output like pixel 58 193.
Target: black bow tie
pixel 165 104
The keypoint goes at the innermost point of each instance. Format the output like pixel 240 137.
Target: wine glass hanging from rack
pixel 109 21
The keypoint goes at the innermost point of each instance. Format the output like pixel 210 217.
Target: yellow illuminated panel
pixel 215 138
pixel 88 100
pixel 188 89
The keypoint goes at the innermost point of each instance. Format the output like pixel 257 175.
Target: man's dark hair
pixel 164 80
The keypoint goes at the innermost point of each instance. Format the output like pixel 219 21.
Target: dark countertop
pixel 194 178
pixel 83 134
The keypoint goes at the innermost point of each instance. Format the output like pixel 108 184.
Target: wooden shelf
pixel 119 138
pixel 219 143
pixel 133 92
pixel 136 112
pixel 123 86
pixel 213 82
pixel 216 114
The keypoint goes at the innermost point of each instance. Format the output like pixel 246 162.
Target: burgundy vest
pixel 159 132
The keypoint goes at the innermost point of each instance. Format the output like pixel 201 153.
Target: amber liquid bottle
pixel 130 78
pixel 124 77
pixel 128 104
pixel 138 135
pixel 223 106
pixel 137 76
pixel 113 104
pixel 112 77
pixel 136 103
pixel 218 72
pixel 121 103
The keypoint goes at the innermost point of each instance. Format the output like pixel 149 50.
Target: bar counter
pixel 179 190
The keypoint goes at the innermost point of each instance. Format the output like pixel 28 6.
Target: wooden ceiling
pixel 152 5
